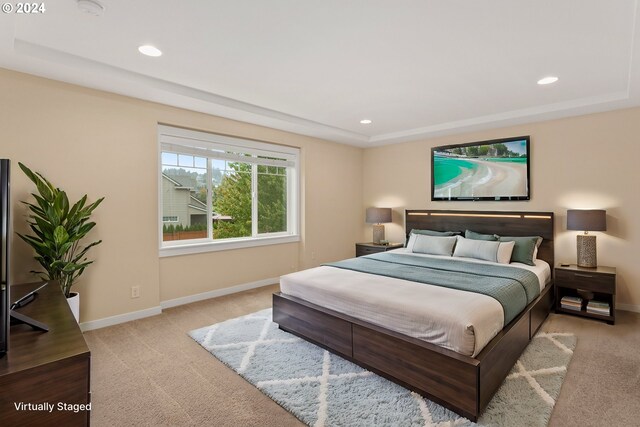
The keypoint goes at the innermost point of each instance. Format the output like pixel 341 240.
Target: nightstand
pixel 597 284
pixel 372 248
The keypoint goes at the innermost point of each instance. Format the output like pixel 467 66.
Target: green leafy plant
pixel 58 228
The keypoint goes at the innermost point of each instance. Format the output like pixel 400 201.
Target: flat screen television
pixel 486 170
pixel 4 256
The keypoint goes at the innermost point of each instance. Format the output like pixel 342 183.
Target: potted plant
pixel 58 229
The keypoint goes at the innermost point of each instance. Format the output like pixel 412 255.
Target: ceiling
pixel 416 68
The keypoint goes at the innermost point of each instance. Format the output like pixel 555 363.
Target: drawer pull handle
pixel 583 275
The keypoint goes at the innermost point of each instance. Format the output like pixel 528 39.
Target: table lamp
pixel 587 220
pixel 377 216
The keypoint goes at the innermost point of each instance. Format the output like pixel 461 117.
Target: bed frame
pixel 461 383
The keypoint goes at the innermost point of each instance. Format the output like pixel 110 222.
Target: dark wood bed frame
pixel 461 383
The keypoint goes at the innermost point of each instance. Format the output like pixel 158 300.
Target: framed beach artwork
pixel 486 170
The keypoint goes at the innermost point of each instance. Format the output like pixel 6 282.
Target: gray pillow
pixel 432 245
pixel 524 249
pixel 485 250
pixel 478 236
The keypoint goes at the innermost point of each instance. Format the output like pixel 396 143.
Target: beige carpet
pixel 150 373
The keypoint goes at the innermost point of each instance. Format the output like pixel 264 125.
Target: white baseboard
pixel 217 293
pixel 153 311
pixel 628 307
pixel 120 318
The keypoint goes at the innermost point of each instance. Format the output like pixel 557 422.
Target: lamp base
pixel 378 233
pixel 587 256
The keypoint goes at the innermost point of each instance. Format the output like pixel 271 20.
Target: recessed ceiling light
pixel 365 121
pixel 547 80
pixel 92 7
pixel 149 50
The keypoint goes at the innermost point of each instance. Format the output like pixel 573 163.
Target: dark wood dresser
pixel 45 367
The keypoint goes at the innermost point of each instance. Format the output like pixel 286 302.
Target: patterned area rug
pixel 322 389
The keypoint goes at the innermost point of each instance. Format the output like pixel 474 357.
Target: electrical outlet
pixel 135 292
pixel 313 255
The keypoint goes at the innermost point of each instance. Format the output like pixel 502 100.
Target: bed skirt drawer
pixel 540 310
pixel 314 325
pixel 444 379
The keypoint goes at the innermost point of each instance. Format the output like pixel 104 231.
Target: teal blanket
pixel 513 288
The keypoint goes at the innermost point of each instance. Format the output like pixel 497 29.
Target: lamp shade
pixel 587 220
pixel 378 215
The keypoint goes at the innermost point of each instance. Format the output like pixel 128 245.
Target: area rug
pixel 322 389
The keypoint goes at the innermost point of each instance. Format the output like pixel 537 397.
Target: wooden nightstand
pixel 371 248
pixel 597 283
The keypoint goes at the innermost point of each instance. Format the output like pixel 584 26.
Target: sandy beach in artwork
pixel 487 179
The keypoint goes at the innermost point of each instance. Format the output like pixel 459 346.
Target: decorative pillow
pixel 432 245
pixel 484 250
pixel 524 248
pixel 478 236
pixel 504 252
pixel 431 233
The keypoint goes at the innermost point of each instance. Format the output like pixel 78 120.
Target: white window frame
pixel 169 221
pixel 204 144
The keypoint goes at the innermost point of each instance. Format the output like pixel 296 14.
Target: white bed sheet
pixel 458 320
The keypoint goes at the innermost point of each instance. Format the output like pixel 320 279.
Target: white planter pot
pixel 74 303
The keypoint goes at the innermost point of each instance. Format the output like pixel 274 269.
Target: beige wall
pixel 582 162
pixel 93 142
pixel 102 144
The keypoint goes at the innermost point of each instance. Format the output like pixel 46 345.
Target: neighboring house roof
pixel 197 204
pixel 185 181
pixel 181 182
pixel 197 208
pixel 165 176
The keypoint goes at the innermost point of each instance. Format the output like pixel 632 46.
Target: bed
pixel 461 375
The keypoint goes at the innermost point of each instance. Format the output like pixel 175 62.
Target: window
pixel 219 192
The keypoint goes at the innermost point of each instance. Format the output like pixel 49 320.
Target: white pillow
pixel 484 249
pixel 504 252
pixel 432 245
pixel 411 242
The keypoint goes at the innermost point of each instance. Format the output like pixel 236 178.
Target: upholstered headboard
pixel 503 223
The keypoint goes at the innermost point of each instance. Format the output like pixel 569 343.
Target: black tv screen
pixel 487 170
pixel 4 256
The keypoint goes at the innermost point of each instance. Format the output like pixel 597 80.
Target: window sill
pixel 196 248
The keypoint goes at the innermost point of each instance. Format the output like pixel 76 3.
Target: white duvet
pixel 458 320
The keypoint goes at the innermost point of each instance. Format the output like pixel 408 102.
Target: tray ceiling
pixel 415 68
